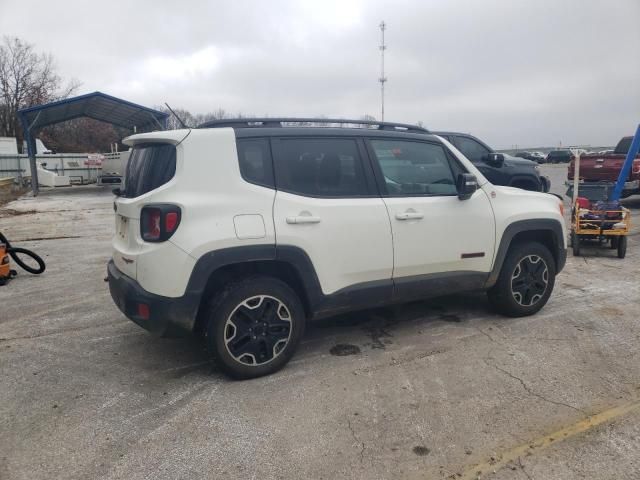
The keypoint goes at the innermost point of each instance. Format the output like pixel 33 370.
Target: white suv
pixel 242 230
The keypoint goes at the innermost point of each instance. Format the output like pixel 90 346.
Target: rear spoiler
pixel 166 136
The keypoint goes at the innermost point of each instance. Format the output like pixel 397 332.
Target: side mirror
pixel 466 185
pixel 495 159
pixel 117 192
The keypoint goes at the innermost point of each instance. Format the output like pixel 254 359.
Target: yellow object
pixel 590 226
pixel 5 265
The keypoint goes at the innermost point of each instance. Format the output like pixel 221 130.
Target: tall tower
pixel 382 79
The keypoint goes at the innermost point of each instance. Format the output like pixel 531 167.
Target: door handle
pixel 409 215
pixel 298 219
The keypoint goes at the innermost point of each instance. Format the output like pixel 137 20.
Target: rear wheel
pixel 622 247
pixel 525 282
pixel 575 244
pixel 614 243
pixel 254 326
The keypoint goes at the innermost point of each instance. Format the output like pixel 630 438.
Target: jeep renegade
pixel 243 230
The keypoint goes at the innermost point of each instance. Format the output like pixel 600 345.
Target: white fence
pixel 77 166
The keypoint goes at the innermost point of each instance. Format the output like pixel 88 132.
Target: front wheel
pixel 525 282
pixel 254 326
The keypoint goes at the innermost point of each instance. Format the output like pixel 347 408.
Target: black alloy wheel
pixel 257 330
pixel 529 280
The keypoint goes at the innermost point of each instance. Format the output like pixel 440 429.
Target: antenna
pixel 382 79
pixel 184 125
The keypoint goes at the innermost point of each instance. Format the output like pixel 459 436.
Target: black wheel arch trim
pixel 534 180
pixel 558 252
pixel 363 295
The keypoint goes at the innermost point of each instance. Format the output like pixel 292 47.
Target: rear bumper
pixel 168 317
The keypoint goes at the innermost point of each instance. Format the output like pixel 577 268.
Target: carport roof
pixel 96 105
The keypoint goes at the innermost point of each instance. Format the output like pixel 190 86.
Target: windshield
pixel 149 166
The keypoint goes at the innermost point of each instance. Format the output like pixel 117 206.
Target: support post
pixel 31 151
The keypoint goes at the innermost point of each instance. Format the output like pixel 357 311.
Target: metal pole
pixel 626 167
pixel 31 150
pixel 382 79
pixel 576 179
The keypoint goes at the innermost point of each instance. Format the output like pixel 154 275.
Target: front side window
pixel 323 167
pixel 473 150
pixel 414 168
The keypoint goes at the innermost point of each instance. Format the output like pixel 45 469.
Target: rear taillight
pixel 159 222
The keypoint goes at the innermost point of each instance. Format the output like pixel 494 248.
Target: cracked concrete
pixel 357 440
pixel 84 393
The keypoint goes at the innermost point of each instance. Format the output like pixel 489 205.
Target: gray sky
pixel 532 72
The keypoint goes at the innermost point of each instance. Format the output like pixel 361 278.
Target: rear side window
pixel 471 149
pixel 325 167
pixel 254 155
pixel 414 168
pixel 150 166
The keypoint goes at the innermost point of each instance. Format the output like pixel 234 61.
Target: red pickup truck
pixel 596 167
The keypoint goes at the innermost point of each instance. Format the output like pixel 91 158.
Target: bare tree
pixel 27 78
pixel 193 120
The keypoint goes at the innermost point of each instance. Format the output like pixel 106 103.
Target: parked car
pixel 539 157
pixel 523 154
pixel 598 167
pixel 533 156
pixel 500 169
pixel 560 156
pixel 243 230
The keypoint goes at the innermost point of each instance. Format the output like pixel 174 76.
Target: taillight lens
pixel 159 222
pixel 171 220
pixel 151 224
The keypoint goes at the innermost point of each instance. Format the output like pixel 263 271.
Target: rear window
pixel 149 167
pixel 623 146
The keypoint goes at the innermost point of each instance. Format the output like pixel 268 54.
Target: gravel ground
pixel 438 389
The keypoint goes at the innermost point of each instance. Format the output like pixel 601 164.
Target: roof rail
pixel 267 122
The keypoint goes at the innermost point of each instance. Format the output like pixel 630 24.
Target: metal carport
pixel 96 105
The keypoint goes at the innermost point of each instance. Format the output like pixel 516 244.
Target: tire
pixel 622 247
pixel 525 282
pixel 575 244
pixel 271 319
pixel 614 243
pixel 14 251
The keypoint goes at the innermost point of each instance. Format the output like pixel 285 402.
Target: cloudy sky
pixel 526 72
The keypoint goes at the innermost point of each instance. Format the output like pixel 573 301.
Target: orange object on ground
pixel 5 264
